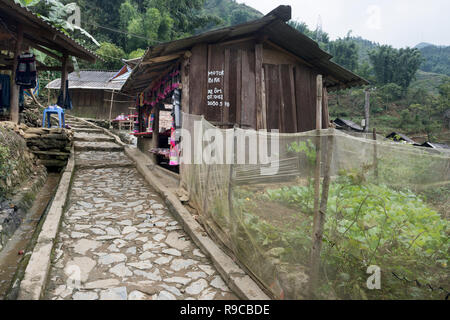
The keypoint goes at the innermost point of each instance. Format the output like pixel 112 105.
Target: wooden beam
pixel 44 50
pixel 164 58
pixel 5 36
pixel 185 85
pixel 163 74
pixel 14 99
pixel 39 68
pixel 234 41
pixel 64 76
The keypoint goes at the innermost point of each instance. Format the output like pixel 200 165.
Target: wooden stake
pixel 319 101
pixel 375 153
pixel 318 219
pixel 367 111
pixel 110 109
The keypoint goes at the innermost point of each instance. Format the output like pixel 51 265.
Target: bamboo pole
pixel 317 226
pixel 110 107
pixel 367 112
pixel 375 153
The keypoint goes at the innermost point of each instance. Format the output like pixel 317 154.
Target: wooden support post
pixel 319 102
pixel 14 98
pixel 318 217
pixel 185 99
pixel 367 112
pixel 111 107
pixel 64 75
pixel 155 135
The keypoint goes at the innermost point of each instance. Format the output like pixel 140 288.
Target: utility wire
pixel 122 32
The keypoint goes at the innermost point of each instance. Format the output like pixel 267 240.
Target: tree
pixel 345 53
pixel 112 56
pixel 395 66
pixel 127 13
pixel 239 16
pixel 136 54
pixel 407 63
pixel 318 35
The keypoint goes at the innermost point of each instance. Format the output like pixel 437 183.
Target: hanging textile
pixel 35 90
pixel 5 84
pixel 176 102
pixel 26 73
pixel 174 154
pixel 66 104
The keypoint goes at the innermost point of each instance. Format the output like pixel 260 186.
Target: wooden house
pixel 96 94
pixel 263 74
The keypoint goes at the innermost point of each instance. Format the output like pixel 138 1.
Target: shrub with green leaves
pixel 366 224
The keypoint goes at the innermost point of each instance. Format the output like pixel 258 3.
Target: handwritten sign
pixel 215 97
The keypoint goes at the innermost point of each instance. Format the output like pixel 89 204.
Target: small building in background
pixel 435 146
pixel 96 94
pixel 347 125
pixel 399 137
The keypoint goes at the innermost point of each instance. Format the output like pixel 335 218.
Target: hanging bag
pixel 26 73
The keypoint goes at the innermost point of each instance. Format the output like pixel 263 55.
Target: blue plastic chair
pixel 47 116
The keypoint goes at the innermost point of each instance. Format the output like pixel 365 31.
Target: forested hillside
pixel 436 59
pixel 404 97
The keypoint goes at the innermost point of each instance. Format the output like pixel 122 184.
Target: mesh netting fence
pixel 323 214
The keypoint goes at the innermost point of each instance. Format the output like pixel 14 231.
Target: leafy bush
pixel 367 224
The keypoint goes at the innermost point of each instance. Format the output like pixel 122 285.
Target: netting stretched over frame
pixel 384 206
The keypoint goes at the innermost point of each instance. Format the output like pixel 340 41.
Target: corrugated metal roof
pixel 46 35
pixel 436 145
pixel 343 122
pixel 90 79
pixel 399 137
pixel 277 31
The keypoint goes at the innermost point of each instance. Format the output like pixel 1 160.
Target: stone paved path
pixel 119 242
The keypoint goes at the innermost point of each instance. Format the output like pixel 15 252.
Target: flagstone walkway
pixel 118 240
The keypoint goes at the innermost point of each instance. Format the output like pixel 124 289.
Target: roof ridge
pixel 94 70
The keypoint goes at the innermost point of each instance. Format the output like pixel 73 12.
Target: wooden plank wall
pixel 92 104
pixel 265 88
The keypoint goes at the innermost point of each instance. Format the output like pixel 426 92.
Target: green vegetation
pixel 231 12
pixel 367 223
pixel 395 66
pixel 437 59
